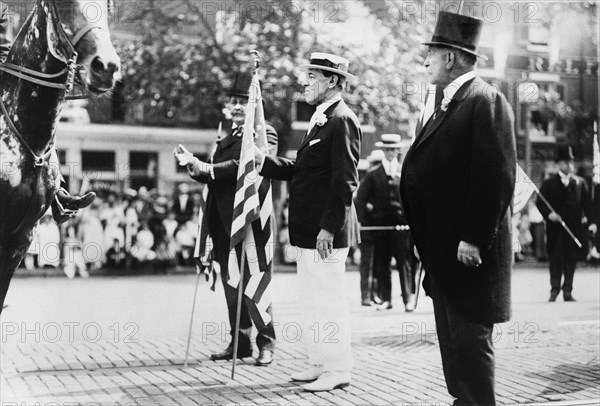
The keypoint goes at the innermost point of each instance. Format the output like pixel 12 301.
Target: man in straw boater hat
pixel 457 185
pixel 322 219
pixel 378 203
pixel 220 175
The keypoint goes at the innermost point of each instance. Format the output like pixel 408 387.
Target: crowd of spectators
pixel 120 231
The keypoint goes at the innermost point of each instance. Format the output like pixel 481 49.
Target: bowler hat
pixel 392 141
pixel 328 62
pixel 241 85
pixel 457 31
pixel 564 153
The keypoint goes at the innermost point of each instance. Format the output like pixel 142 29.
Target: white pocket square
pixel 313 142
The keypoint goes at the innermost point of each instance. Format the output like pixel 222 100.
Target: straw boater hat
pixel 459 32
pixel 392 141
pixel 328 62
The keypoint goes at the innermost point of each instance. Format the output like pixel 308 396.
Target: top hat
pixel 328 62
pixel 241 85
pixel 564 153
pixel 392 141
pixel 457 31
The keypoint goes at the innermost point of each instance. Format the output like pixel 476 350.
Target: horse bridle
pixel 44 79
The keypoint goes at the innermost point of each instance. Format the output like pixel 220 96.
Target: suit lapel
pixel 434 123
pixel 316 127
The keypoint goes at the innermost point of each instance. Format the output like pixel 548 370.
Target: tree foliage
pixel 184 55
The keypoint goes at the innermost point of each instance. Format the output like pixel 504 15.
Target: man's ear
pixel 333 80
pixel 450 59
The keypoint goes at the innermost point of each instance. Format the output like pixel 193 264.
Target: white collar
pixel 390 168
pixel 326 104
pixel 452 88
pixel 564 177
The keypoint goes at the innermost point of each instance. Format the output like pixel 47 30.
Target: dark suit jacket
pixel 572 203
pixel 457 185
pixel 221 189
pixel 383 192
pixel 183 214
pixel 4 42
pixel 323 178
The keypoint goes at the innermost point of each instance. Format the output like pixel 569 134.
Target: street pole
pixel 527 139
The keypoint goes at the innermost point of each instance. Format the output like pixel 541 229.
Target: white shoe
pixel 309 375
pixel 410 303
pixel 329 381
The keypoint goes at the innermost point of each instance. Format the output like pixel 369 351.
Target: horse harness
pixel 44 79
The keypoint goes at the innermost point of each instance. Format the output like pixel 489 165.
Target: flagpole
pixel 562 222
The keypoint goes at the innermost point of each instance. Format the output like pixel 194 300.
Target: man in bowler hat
pixel 221 177
pixel 570 202
pixel 322 219
pixel 457 184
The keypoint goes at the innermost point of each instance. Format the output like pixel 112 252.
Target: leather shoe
pixel 385 305
pixel 228 354
pixel 553 297
pixel 329 381
pixel 309 375
pixel 265 357
pixel 569 298
pixel 366 302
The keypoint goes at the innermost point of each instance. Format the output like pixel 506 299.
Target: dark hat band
pixel 438 38
pixel 328 64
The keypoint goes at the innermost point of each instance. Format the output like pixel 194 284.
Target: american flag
pixel 524 188
pixel 253 207
pixel 596 177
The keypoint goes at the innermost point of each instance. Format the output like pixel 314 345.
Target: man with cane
pixel 566 207
pixel 221 176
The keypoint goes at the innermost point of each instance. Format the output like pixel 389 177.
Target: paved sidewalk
pixel 552 360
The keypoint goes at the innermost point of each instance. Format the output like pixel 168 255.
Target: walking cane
pixel 236 335
pixel 187 349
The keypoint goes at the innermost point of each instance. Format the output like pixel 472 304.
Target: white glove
pixel 184 157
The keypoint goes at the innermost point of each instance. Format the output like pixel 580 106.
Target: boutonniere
pixel 445 103
pixel 320 120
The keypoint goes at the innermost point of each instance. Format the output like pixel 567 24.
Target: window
pixel 98 160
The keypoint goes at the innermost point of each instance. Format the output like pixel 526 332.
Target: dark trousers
pixel 563 260
pixel 396 244
pixel 367 278
pixel 265 338
pixel 467 353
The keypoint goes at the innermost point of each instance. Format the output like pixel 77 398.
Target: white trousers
pixel 324 309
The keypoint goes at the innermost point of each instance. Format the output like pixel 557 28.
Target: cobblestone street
pixel 69 342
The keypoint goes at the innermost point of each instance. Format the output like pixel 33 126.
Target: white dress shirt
pixel 321 110
pixel 391 168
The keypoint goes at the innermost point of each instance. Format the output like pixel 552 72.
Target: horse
pixel 61 42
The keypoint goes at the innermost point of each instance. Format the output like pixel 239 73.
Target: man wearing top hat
pixel 378 201
pixel 570 202
pixel 322 219
pixel 221 177
pixel 457 185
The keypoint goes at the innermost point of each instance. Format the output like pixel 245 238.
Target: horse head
pixel 86 24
